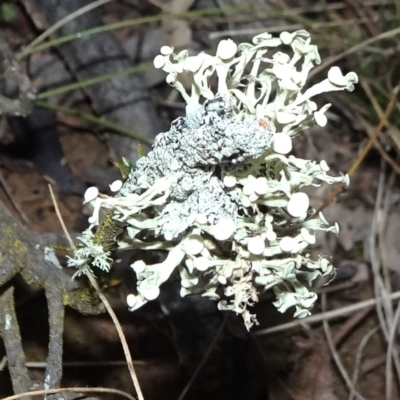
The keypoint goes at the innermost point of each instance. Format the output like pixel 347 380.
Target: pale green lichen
pixel 89 254
pixel 219 191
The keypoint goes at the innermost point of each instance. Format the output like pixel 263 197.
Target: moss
pixel 106 234
pixel 85 300
pixel 14 249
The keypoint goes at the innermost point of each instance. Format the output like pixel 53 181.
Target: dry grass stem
pixel 383 251
pixel 370 131
pixel 121 335
pixel 335 354
pixel 329 315
pixel 106 305
pixel 394 133
pixel 331 60
pixel 60 219
pixel 383 309
pixel 61 23
pixel 339 5
pixel 314 26
pixel 365 150
pixel 384 306
pixel 349 325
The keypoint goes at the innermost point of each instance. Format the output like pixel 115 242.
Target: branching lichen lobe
pixel 219 191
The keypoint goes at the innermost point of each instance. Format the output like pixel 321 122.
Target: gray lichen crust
pixel 200 155
pixel 219 191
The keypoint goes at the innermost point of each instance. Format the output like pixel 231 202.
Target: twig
pixel 121 335
pixel 378 129
pixel 335 354
pixel 384 307
pixel 362 11
pixel 378 109
pixel 107 305
pixel 338 5
pixel 369 129
pixel 366 148
pixel 388 201
pixel 60 219
pixel 335 288
pixel 341 312
pixel 288 27
pixel 349 325
pixel 379 287
pixel 331 60
pixel 372 363
pixel 70 390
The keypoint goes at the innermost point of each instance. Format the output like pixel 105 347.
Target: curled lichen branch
pixel 220 192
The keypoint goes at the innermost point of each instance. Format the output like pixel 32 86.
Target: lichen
pixel 219 191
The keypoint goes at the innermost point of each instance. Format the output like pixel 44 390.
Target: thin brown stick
pixel 121 335
pixel 70 390
pixel 369 129
pixel 365 150
pixel 357 363
pixel 341 312
pixel 361 12
pixel 382 231
pixel 384 307
pixel 380 290
pixel 329 61
pixel 378 109
pixel 378 129
pixel 349 325
pixel 314 26
pixel 107 305
pixel 60 219
pixel 335 354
